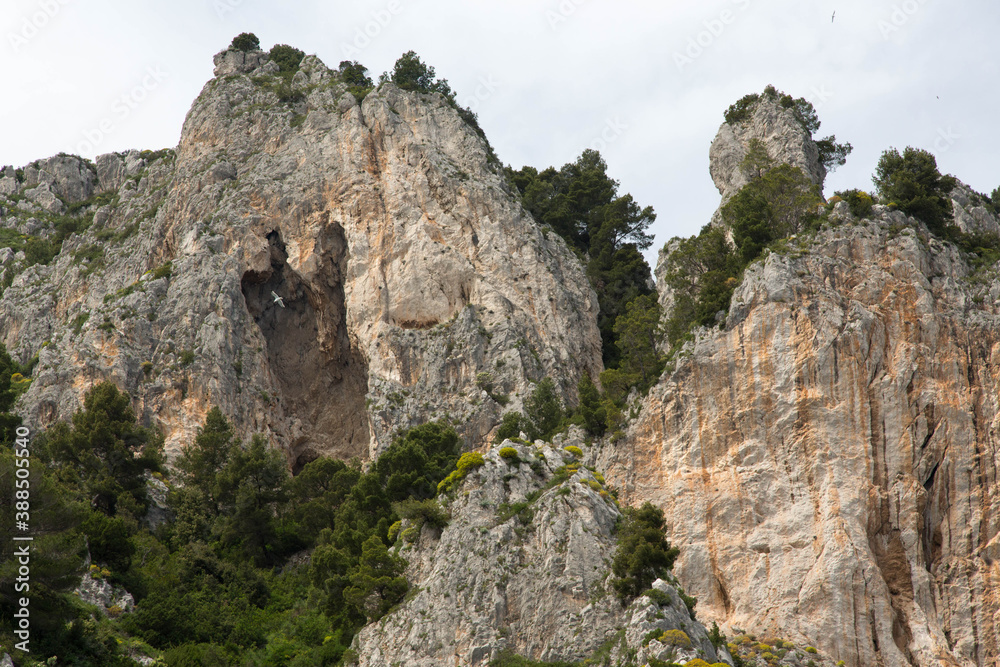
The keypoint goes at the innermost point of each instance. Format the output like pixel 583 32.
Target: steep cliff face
pixel 777 128
pixel 405 268
pixel 828 460
pixel 785 140
pixel 524 566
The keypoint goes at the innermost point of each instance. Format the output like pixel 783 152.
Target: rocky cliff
pixel 524 566
pixel 828 458
pixel 405 267
pixel 328 271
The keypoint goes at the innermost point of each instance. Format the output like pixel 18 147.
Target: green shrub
pixel 288 58
pixel 544 411
pixel 246 41
pixel 912 181
pixel 485 381
pixel 716 636
pixel 521 510
pixel 147 367
pixel 511 426
pixel 418 459
pixel 689 601
pixel 740 110
pixel 187 357
pixel 163 271
pixel 510 454
pixel 78 322
pixel 859 202
pixel 657 596
pixel 643 554
pixel 677 638
pixel 811 649
pixel 574 450
pixel 593 414
pixel 196 655
pixel 466 462
pixel 423 511
pixel 410 73
pixel 394 531
pixel 40 251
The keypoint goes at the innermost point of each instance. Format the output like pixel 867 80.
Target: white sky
pixel 560 74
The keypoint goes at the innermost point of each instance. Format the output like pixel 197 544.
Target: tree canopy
pixel 581 203
pixel 643 555
pixel 106 451
pixel 912 182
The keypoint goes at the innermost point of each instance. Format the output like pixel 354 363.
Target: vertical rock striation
pixel 828 461
pixel 406 266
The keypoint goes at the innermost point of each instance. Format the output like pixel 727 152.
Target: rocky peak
pixel 234 61
pixel 782 134
pixel 407 269
pixel 972 215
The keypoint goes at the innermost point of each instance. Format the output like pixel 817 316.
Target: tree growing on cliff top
pixel 245 41
pixel 411 73
pixel 912 182
pixel 581 203
pixel 831 153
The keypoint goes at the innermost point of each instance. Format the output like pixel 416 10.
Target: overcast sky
pixel 645 82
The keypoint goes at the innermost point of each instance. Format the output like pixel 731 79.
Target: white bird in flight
pixel 277 299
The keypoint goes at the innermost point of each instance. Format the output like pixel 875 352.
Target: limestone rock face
pixel 531 579
pixel 406 267
pixel 828 461
pixel 971 216
pixel 66 176
pixel 787 141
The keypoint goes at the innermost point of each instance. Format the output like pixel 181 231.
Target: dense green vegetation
pixel 14 380
pixel 215 585
pixel 288 58
pixel 580 202
pixel 355 75
pixel 643 555
pixel 246 41
pixel 912 182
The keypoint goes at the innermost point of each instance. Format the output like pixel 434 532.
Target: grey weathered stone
pixel 406 264
pixel 8 185
pixel 970 214
pixel 537 585
pixel 819 456
pixel 110 171
pixel 42 195
pixel 786 140
pixel 232 61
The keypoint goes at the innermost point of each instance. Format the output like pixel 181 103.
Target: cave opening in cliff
pixel 322 380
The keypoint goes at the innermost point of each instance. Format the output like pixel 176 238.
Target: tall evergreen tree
pixel 107 451
pixel 581 203
pixel 8 421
